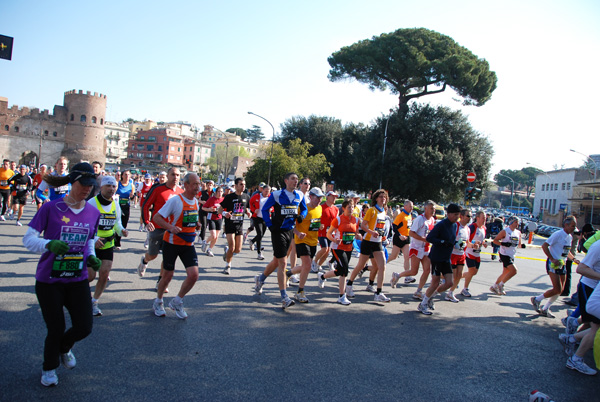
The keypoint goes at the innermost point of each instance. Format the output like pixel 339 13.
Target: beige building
pixel 117 139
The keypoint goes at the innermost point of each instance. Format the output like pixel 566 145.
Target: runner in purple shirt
pixel 68 226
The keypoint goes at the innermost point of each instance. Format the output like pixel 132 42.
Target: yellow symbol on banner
pixel 2 46
pixel 65 219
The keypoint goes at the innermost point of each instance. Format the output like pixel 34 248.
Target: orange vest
pixel 186 219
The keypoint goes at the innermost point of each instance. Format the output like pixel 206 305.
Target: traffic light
pixel 472 193
pixel 468 192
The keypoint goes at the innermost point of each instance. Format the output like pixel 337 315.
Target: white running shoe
pixel 286 302
pixel 141 269
pixel 205 246
pixel 260 257
pixel 568 345
pixel 68 360
pixel 418 295
pixel 409 279
pixel 450 297
pixel 465 292
pixel 252 245
pixel 245 238
pixel 258 285
pixel 301 297
pixel 349 291
pixel 580 366
pixel 3 219
pixel 178 308
pixel 159 308
pixel 494 289
pixel 382 298
pixel 19 223
pixel 49 378
pixel 141 229
pixel 395 279
pixel 423 309
pixel 225 253
pixel 314 268
pixel 371 288
pixel 321 280
pixel 227 270
pixel 209 252
pixel 295 278
pixel 344 300
pixel 501 290
pixel 96 310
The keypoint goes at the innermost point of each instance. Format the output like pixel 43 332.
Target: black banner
pixel 6 45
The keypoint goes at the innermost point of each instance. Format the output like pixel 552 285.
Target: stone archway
pixel 29 158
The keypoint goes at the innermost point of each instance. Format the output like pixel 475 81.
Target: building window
pixel 568 186
pixel 72 117
pixel 563 186
pixel 542 187
pixel 149 156
pixel 101 121
pixel 94 120
pixel 16 129
pixel 46 133
pixel 6 127
pixel 55 134
pixel 179 149
pixel 555 186
pixel 83 119
pixel 160 147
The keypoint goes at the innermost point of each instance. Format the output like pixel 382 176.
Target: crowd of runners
pixel 83 213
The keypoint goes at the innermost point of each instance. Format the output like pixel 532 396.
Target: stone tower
pixel 84 132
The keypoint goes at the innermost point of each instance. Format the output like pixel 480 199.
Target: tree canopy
pixel 238 131
pixel 254 134
pixel 524 178
pixel 223 159
pixel 415 62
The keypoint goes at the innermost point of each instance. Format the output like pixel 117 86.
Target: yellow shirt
pixel 310 225
pixel 5 174
pixel 403 221
pixel 376 221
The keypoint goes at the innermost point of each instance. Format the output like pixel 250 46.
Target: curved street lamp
pixel 593 189
pixel 272 144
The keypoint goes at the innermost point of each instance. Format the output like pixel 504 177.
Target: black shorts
pixel 214 225
pixel 304 249
pixel 324 242
pixel 105 254
pixel 584 292
pixel 155 241
pixel 281 242
pixel 439 268
pixel 396 241
pixel 369 247
pixel 187 255
pixel 343 261
pixel 471 263
pixel 20 199
pixel 235 228
pixel 506 260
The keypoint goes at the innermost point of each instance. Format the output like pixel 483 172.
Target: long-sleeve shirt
pixel 287 206
pixel 442 238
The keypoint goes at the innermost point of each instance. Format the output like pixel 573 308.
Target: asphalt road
pixel 236 345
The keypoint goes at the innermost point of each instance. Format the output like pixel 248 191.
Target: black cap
pixel 587 228
pixel 83 173
pixel 453 208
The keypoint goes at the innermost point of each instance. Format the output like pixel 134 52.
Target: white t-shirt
pixel 592 260
pixel 462 235
pixel 511 237
pixel 559 244
pixel 422 227
pixel 478 236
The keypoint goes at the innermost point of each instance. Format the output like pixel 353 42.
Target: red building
pixel 156 147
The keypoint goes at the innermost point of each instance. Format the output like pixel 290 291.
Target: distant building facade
pixel 117 141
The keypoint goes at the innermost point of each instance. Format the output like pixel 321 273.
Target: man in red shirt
pixel 155 199
pixel 330 212
pixel 37 180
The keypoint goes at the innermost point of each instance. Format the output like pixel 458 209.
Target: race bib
pixel 190 218
pixel 514 240
pixel 69 265
pixel 123 201
pixel 315 224
pixel 289 210
pixel 62 189
pixel 21 187
pixel 380 226
pixel 107 221
pixel 348 237
pixel 565 252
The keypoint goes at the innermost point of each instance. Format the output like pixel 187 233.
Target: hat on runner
pixel 108 181
pixel 354 195
pixel 453 208
pixel 261 184
pixel 147 176
pixel 332 193
pixel 316 191
pixel 84 173
pixel 23 167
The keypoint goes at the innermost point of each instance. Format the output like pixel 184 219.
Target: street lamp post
pixel 593 189
pixel 513 189
pixel 383 153
pixel 272 144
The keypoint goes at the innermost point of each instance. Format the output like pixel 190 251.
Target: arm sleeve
pixel 40 191
pixel 118 225
pixel 33 242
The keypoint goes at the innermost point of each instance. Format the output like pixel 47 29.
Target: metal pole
pixel 383 154
pixel 272 144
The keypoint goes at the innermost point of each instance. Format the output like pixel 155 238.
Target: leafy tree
pixel 223 159
pixel 238 131
pixel 294 158
pixel 254 134
pixel 415 62
pixel 428 154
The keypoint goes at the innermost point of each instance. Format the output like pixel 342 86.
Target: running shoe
pixel 141 229
pixel 501 289
pixel 295 278
pixel 450 297
pixel 141 269
pixel 209 252
pixel 118 248
pixel 286 302
pixel 568 343
pixel 68 360
pixel 49 378
pixel 349 291
pixel 245 238
pixel 314 268
pixel 465 292
pixel 580 366
pixel 535 303
pixel 178 308
pixel 409 279
pixel 205 247
pixel 382 298
pixel 430 304
pixel 547 313
pixel 423 309
pixel 251 245
pixel 344 300
pixel 146 243
pixel 371 288
pixel 18 223
pixel 3 219
pixel 225 253
pixel 159 308
pixel 258 285
pixel 321 280
pixel 571 325
pixel 227 270
pixel 95 309
pixel 260 256
pixel 418 295
pixel 494 289
pixel 395 279
pixel 301 297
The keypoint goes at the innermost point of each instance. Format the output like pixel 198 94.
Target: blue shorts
pixel 558 271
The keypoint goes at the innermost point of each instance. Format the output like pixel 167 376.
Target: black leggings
pixel 261 228
pixel 125 211
pixel 343 261
pixel 4 194
pixel 203 222
pixel 76 298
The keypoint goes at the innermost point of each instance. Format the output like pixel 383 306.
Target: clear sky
pixel 209 62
